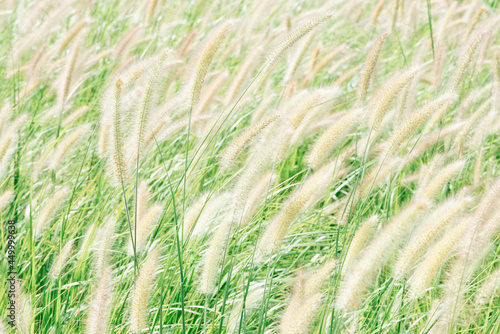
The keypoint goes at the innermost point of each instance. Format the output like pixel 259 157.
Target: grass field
pixel 250 166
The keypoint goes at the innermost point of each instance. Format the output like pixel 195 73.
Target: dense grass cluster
pixel 251 166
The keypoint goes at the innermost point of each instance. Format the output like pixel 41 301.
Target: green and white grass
pixel 97 216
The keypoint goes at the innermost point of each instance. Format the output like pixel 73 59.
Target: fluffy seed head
pixel 195 83
pixel 485 293
pixel 273 236
pixel 303 316
pixel 144 228
pixel 369 67
pixel 464 61
pixel 139 306
pixel 327 142
pixel 427 270
pixel 100 306
pixel 416 119
pixel 357 243
pixel 251 302
pixel 436 184
pixel 387 94
pixel 433 224
pixel 66 145
pixel 5 198
pixel 293 37
pixel 61 260
pixel 212 257
pixel 118 161
pixel 231 153
pixel 375 255
pixel 50 209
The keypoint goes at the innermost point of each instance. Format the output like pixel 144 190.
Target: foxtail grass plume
pixel 435 118
pixel 375 254
pixel 24 311
pixel 432 225
pixel 273 236
pixel 255 197
pixel 440 179
pixel 205 58
pixel 50 208
pixel 303 316
pixel 66 145
pixel 375 176
pixel 416 119
pixel 297 57
pixel 245 70
pixel 488 289
pixel 210 216
pixel 295 120
pixel 118 160
pixel 276 136
pixel 135 71
pixel 293 37
pixel 316 279
pixel 345 77
pixel 192 215
pixel 185 46
pixel 103 252
pixel 33 37
pixel 212 257
pixel 5 113
pixel 208 94
pixel 470 252
pixel 143 228
pixel 163 131
pixel 231 153
pixel 478 168
pixel 7 147
pixel 143 112
pixel 465 59
pixel 496 81
pixel 295 301
pixel 143 196
pixel 370 181
pixel 100 306
pixel 322 63
pixel 369 68
pixel 103 144
pixel 150 11
pixel 435 257
pixel 5 198
pixel 305 299
pixel 17 124
pixel 121 47
pixel 250 303
pixel 376 11
pixel 61 260
pixel 255 167
pixel 357 243
pixel 142 289
pixel 380 103
pixel 71 34
pixel 262 109
pixel 74 115
pixel 279 50
pixel 68 76
pixel 330 138
pixel 310 101
pixel 473 23
pixel 480 112
pixel 421 145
